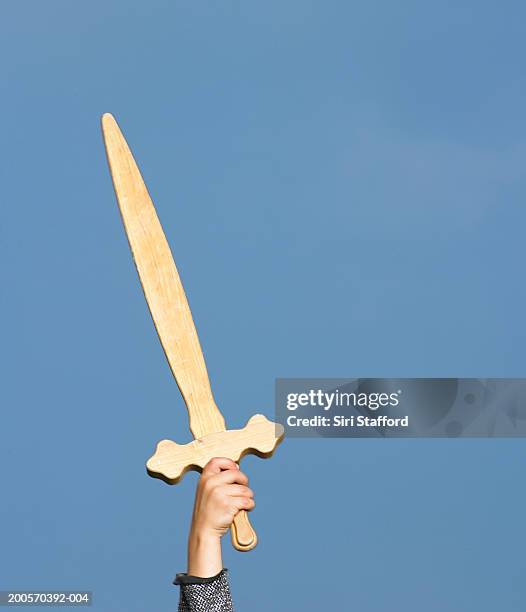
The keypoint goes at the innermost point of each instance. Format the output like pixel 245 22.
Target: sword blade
pixel 161 284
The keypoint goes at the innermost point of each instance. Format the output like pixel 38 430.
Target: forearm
pixel 204 554
pixel 205 586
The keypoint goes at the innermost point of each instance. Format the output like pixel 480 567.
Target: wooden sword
pixel 173 320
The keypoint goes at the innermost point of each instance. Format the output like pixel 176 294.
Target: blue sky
pixel 342 185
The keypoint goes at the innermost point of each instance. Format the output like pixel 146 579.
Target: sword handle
pixel 244 537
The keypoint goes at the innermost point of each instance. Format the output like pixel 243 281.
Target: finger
pixel 243 503
pixel 215 465
pixel 228 477
pixel 237 490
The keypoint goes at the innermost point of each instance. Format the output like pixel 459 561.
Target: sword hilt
pixel 259 437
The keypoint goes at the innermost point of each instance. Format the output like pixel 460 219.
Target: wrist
pixel 203 534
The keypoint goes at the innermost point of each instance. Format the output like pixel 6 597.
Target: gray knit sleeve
pixel 204 594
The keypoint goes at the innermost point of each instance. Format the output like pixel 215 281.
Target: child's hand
pixel 221 493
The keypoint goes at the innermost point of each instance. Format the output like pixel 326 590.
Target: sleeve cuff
pixel 183 579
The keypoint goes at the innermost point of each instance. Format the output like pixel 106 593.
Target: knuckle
pixel 207 485
pixel 216 493
pixel 222 496
pixel 209 488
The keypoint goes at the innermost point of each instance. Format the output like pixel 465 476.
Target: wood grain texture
pixel 171 460
pixel 161 284
pixel 175 326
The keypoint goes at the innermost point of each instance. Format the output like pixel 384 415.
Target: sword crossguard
pixel 171 461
